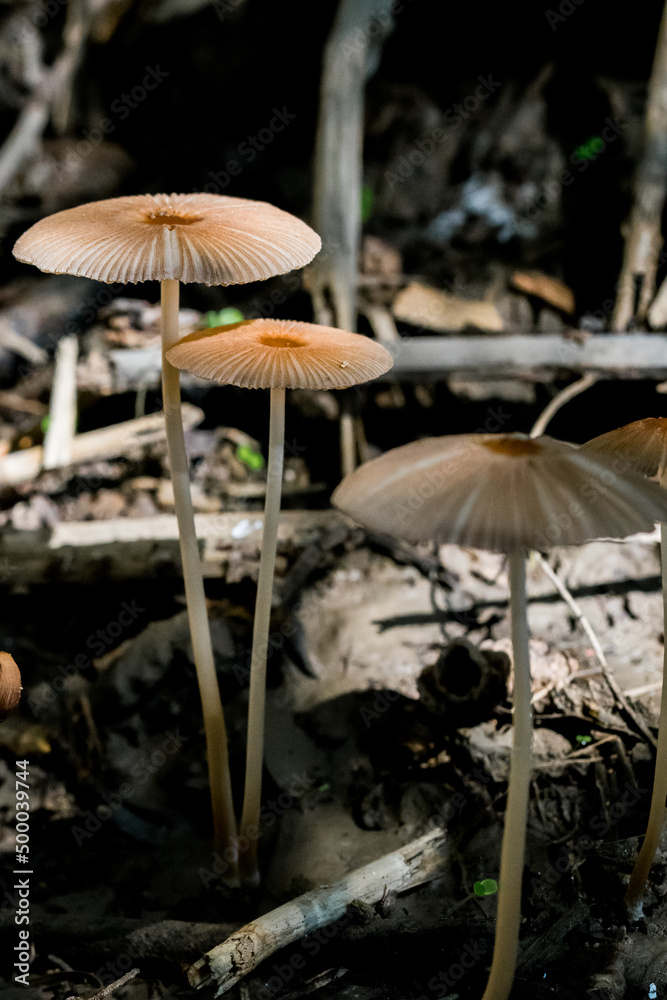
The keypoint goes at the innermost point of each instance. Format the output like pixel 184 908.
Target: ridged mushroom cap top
pixel 207 238
pixel 501 492
pixel 641 446
pixel 281 354
pixel 10 685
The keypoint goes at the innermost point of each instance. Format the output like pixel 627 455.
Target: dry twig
pixel 412 865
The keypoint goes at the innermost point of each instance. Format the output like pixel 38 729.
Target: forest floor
pixel 388 714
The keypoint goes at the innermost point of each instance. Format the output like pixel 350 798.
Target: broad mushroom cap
pixel 501 492
pixel 281 354
pixel 10 685
pixel 640 446
pixel 207 238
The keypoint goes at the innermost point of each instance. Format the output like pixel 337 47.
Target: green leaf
pixel 253 459
pixel 487 887
pixel 367 200
pixel 224 317
pixel 583 741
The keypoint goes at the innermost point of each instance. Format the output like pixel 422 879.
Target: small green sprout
pixel 367 201
pixel 487 887
pixel 223 317
pixel 590 149
pixel 44 423
pixel 583 741
pixel 253 459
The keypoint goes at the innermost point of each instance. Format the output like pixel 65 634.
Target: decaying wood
pixel 434 309
pixel 129 548
pixel 107 442
pixel 412 865
pixel 644 238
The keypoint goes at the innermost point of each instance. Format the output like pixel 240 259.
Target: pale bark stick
pixel 410 866
pixel 105 443
pixel 63 406
pixel 644 241
pixel 350 57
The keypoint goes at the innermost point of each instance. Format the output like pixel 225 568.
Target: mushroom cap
pixel 207 238
pixel 10 684
pixel 281 354
pixel 502 492
pixel 640 446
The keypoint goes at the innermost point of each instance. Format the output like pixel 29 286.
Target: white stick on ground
pixel 252 796
pixel 224 822
pixel 104 443
pixel 510 878
pixel 63 406
pixel 227 963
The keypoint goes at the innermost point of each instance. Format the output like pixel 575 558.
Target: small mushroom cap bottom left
pixel 10 684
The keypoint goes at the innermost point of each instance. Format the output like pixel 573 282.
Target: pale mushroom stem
pixel 249 831
pixel 635 891
pixel 516 814
pixel 224 822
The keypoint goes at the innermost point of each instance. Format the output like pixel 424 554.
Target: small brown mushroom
pixel 10 685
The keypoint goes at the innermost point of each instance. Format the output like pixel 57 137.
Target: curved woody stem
pixel 249 830
pixel 508 919
pixel 224 821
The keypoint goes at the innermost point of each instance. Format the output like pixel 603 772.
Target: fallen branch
pixel 412 865
pixel 105 443
pixel 106 991
pixel 128 548
pixel 539 357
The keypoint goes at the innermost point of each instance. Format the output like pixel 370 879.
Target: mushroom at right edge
pixel 504 493
pixel 642 447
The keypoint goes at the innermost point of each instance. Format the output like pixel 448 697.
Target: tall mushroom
pixel 275 355
pixel 507 493
pixel 642 446
pixel 205 238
